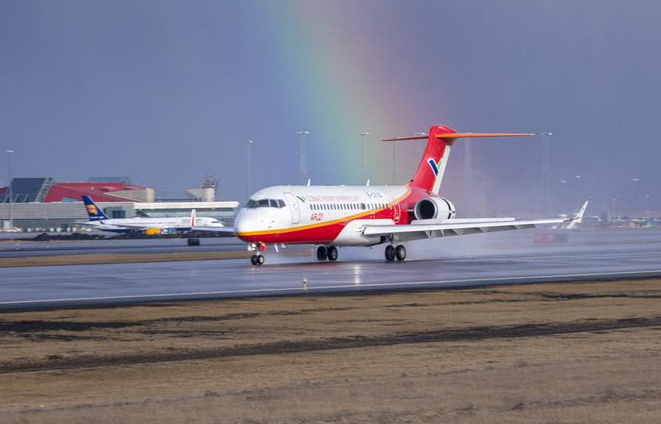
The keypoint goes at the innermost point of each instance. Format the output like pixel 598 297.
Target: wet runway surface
pixel 505 258
pixel 20 249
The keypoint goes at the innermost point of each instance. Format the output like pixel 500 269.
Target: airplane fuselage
pixel 141 224
pixel 329 215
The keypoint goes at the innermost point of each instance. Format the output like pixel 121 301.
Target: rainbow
pixel 335 83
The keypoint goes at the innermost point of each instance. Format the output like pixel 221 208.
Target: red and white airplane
pixel 332 216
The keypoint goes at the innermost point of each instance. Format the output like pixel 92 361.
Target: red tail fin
pixel 434 161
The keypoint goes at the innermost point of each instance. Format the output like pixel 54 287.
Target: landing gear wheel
pixel 390 253
pixel 322 254
pixel 332 253
pixel 400 252
pixel 257 260
pixel 260 260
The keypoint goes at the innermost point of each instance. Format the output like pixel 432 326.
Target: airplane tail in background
pixel 93 210
pixel 192 218
pixel 435 159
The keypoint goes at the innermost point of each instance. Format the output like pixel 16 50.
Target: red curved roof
pixel 100 192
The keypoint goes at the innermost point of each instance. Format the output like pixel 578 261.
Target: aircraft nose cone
pixel 240 224
pixel 243 224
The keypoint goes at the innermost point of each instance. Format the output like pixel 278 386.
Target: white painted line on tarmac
pixel 344 286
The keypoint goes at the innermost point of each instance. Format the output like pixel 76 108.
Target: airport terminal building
pixel 42 204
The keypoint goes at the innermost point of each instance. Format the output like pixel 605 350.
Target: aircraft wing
pixel 461 227
pixel 226 230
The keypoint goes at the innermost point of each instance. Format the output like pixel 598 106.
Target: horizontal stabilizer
pixel 452 136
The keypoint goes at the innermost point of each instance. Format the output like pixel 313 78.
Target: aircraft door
pixel 293 207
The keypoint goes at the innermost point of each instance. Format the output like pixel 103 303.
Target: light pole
pixel 577 190
pixel 420 145
pixel 11 191
pixel 546 169
pixel 635 191
pixel 248 145
pixel 564 195
pixel 468 164
pixel 394 164
pixel 362 155
pixel 303 159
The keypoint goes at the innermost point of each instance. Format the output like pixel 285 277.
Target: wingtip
pixel 580 213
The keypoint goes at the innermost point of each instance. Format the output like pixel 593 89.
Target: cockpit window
pixel 265 203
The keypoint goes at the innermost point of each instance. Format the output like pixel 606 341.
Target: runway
pixel 452 262
pixel 22 249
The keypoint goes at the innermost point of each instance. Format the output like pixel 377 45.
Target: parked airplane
pixel 333 216
pixel 100 221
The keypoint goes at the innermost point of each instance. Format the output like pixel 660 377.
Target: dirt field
pixel 555 353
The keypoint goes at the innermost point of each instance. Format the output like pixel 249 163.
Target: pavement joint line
pixel 344 286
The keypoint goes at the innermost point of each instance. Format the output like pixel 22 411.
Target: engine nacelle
pixel 437 208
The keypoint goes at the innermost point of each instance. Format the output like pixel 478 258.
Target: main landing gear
pixel 257 259
pixel 329 253
pixel 395 252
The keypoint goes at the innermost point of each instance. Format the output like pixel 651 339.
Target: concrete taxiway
pixel 450 262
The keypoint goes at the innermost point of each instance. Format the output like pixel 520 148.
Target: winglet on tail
pixel 192 218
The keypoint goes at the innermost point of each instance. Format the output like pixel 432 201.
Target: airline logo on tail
pixel 434 166
pixel 93 210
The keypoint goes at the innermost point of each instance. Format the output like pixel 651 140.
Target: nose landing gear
pixel 258 258
pixel 329 253
pixel 395 252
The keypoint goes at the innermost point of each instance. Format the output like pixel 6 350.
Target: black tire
pixel 193 241
pixel 260 259
pixel 253 259
pixel 332 253
pixel 400 252
pixel 322 253
pixel 390 253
